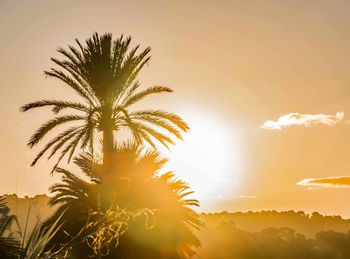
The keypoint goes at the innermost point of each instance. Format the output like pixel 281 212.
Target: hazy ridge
pixel 306 224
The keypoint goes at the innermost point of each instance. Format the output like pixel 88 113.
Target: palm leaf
pixel 58 105
pixel 140 95
pixel 43 130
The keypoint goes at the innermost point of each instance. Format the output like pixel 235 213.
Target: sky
pixel 264 85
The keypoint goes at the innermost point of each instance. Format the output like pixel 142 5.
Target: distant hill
pixel 274 235
pixel 307 224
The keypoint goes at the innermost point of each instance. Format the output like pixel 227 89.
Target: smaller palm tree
pixel 137 185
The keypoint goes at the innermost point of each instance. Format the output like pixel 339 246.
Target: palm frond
pixel 43 130
pixel 160 123
pixel 63 140
pixel 63 136
pixel 69 81
pixel 71 146
pixel 140 95
pixel 173 118
pixel 58 105
pixel 165 140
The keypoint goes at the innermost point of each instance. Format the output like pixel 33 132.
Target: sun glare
pixel 207 158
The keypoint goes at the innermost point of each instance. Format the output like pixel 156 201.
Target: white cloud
pixel 306 120
pixel 327 182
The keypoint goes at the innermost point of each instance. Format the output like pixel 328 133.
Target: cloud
pixel 327 182
pixel 306 120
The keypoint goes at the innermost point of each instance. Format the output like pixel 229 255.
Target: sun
pixel 208 158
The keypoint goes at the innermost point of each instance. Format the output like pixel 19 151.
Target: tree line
pixel 228 241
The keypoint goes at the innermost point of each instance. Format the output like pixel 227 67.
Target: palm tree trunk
pixel 107 149
pixel 105 192
pixel 108 140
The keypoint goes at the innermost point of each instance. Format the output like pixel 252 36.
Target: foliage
pixel 15 244
pixel 9 245
pixel 152 207
pixel 112 225
pixel 34 246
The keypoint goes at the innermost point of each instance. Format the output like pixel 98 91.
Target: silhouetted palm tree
pixel 137 185
pixel 104 73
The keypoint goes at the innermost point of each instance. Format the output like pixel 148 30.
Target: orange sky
pixel 234 64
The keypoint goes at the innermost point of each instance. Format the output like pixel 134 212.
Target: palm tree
pixel 138 184
pixel 104 73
